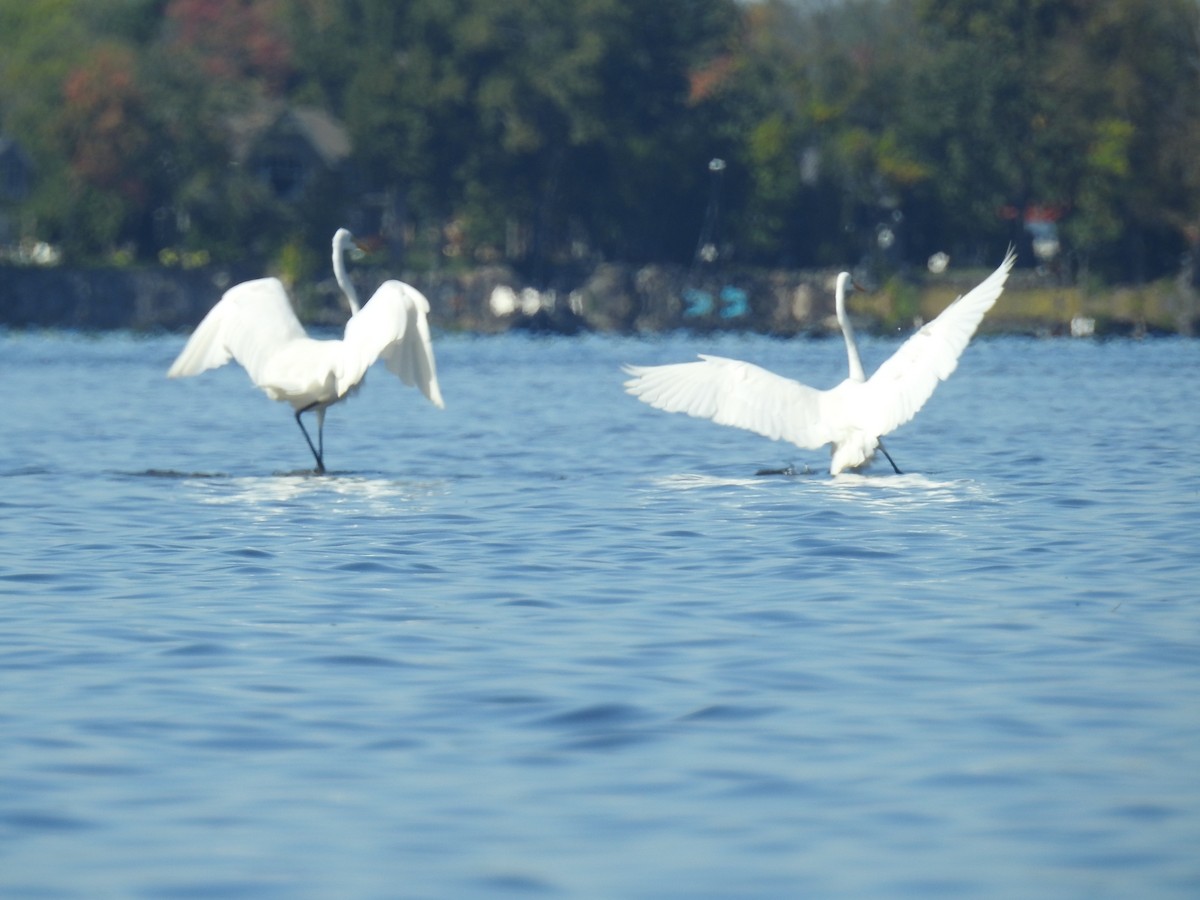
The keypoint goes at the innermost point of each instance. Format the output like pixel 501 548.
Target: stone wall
pixel 101 299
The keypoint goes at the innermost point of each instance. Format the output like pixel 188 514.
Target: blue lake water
pixel 551 642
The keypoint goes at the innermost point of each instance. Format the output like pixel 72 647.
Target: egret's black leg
pixel 317 453
pixel 889 459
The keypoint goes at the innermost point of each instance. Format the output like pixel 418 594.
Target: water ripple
pixel 508 643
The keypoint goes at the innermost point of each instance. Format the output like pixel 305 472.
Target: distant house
pixel 16 182
pixel 289 147
pixel 16 172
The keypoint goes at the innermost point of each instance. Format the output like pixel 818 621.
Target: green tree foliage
pixel 109 140
pixel 1135 69
pixel 816 103
pixel 1067 105
pixel 527 123
pixel 545 132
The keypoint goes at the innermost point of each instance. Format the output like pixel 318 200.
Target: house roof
pixel 325 134
pixel 328 136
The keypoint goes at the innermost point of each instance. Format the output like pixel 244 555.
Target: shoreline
pixel 611 298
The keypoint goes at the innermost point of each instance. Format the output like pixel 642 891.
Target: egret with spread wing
pixel 854 415
pixel 254 324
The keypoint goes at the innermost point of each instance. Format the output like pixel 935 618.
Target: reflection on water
pixel 901 491
pixel 881 491
pixel 363 491
pixel 692 481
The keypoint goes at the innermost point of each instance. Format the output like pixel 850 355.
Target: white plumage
pixel 852 416
pixel 253 323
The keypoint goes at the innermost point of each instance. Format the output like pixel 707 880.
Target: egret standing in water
pixel 854 415
pixel 254 324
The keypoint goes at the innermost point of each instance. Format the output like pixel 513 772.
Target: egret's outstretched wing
pixel 734 393
pixel 394 327
pixel 250 323
pixel 902 385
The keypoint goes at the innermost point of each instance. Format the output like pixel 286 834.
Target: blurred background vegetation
pixel 549 134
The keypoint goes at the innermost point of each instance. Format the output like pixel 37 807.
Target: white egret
pixel 851 416
pixel 254 324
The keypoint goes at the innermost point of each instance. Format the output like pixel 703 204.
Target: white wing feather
pixel 250 323
pixel 902 385
pixel 731 392
pixel 393 326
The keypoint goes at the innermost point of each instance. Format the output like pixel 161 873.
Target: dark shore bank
pixel 609 298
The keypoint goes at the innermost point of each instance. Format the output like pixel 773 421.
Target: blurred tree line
pixel 546 133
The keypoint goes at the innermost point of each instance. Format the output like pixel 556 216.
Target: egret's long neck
pixel 343 278
pixel 856 369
